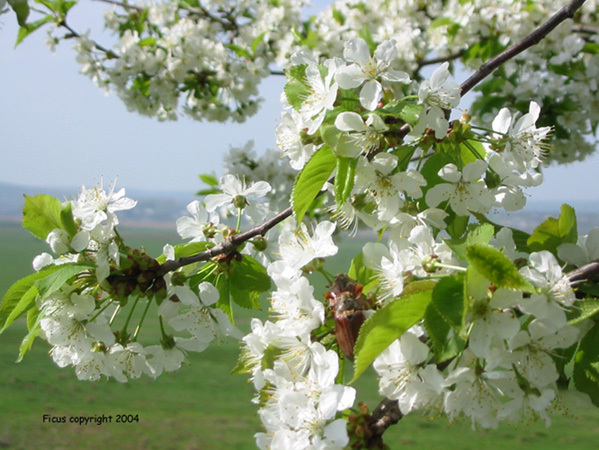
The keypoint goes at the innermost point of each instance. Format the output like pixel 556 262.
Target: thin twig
pixel 439 59
pixel 123 5
pixel 587 272
pixel 532 39
pixel 486 69
pixel 228 246
pixel 109 53
pixel 585 29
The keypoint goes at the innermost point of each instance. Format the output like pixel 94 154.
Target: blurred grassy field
pixel 200 406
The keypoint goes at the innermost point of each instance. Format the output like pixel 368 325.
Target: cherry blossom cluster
pixel 557 74
pixel 83 318
pixel 296 375
pixel 387 191
pixel 493 322
pixel 205 61
pixel 506 372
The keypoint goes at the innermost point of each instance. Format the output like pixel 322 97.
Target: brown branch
pixel 532 39
pixel 585 29
pixel 387 413
pixel 584 273
pixel 440 59
pixel 227 246
pixel 123 5
pixel 109 53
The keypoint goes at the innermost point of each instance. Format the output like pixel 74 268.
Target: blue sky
pixel 58 129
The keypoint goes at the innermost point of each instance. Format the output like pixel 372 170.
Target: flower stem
pixel 238 227
pixel 124 331
pixel 114 314
pixel 141 321
pixel 450 266
pixel 102 310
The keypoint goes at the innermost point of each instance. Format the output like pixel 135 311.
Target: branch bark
pixel 228 246
pixel 532 39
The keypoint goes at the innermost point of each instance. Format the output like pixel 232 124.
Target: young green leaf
pixel 33 325
pixel 209 179
pixel 29 28
pixel 448 298
pixel 296 89
pixel 586 365
pixel 41 215
pixel 68 221
pixel 21 9
pixel 386 325
pixel 359 272
pixel 409 112
pixel 583 309
pixel 497 267
pixel 481 234
pixel 53 282
pixel 344 178
pixel 520 237
pixel 247 281
pixel 17 291
pixel 553 232
pixel 311 179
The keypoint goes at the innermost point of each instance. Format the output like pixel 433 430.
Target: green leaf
pixel 409 112
pixel 147 42
pixel 430 170
pixel 365 34
pixel 239 51
pixel 311 179
pixel 441 22
pixel 359 272
pixel 29 28
pixel 472 150
pixel 520 237
pixel 444 346
pixel 66 6
pixel 444 312
pixel 553 232
pixel 582 310
pixel 497 267
pixel 257 41
pixel 586 365
pixel 14 295
pixel 386 325
pixel 247 281
pixel 24 304
pixel 296 89
pixel 33 325
pixel 457 226
pixel 21 9
pixel 203 192
pixel 243 284
pixel 448 298
pixel 187 249
pixel 338 16
pixel 345 177
pixel 41 215
pixel 209 179
pixel 477 234
pixel 53 282
pixel 68 221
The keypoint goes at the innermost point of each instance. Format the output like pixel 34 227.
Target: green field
pixel 201 406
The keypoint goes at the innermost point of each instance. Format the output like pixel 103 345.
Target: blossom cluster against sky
pixel 59 130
